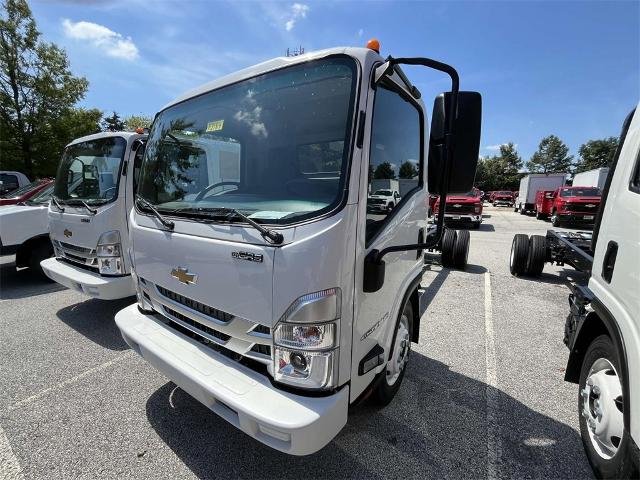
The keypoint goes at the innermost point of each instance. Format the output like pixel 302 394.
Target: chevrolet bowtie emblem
pixel 457 205
pixel 183 276
pixel 589 205
pixel 67 233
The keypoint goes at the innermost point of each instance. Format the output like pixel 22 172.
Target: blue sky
pixel 568 68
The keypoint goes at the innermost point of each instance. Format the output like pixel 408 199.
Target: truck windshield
pixel 384 193
pixel 274 147
pixel 580 192
pixel 89 171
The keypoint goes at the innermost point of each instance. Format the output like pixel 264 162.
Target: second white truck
pixel 529 186
pixel 88 214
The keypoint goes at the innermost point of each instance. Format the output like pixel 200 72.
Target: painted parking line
pixel 9 466
pixel 493 428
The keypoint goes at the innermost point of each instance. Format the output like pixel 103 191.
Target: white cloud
pixel 495 148
pixel 298 11
pixel 111 43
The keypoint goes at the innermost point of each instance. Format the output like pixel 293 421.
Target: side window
pixel 137 163
pixel 634 186
pixel 395 164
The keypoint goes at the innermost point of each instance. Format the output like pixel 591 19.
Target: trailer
pixel 529 186
pixel 530 253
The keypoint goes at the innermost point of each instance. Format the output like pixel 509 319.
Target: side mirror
pixel 465 147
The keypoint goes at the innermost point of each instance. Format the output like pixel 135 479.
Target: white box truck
pixel 92 197
pixel 591 178
pixel 279 302
pixel 529 186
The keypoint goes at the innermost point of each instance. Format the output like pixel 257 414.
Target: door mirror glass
pixel 466 143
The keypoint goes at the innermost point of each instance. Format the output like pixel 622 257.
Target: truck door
pixel 134 164
pixel 616 261
pixel 396 139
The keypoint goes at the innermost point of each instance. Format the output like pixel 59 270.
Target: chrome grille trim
pixel 76 254
pixel 237 335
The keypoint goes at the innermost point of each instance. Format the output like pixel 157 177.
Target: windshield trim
pixel 350 140
pixel 75 202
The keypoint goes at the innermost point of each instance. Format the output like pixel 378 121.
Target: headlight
pixel 109 254
pixel 306 341
pixel 477 208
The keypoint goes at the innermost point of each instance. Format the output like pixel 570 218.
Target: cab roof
pixel 126 135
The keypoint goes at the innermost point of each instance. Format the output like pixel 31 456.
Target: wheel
pixel 540 215
pixel 519 254
pixel 515 208
pixel 389 384
pixel 40 252
pixel 448 244
pixel 601 409
pixel 555 219
pixel 522 211
pixel 461 249
pixel 476 225
pixel 390 206
pixel 537 255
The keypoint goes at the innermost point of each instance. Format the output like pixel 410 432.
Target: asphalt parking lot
pixel 484 395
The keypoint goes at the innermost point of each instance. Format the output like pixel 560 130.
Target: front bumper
pixel 462 218
pixel 577 217
pixel 294 424
pixel 89 283
pixel 502 201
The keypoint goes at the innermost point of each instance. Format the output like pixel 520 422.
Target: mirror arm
pixel 376 255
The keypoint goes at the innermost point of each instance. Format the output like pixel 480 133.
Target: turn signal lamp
pixel 374 45
pixel 140 130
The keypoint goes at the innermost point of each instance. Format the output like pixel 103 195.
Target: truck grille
pixel 233 336
pixel 82 256
pixel 459 208
pixel 583 207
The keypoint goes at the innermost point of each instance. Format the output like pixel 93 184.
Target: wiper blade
pixel 164 221
pixel 92 211
pixel 57 203
pixel 268 234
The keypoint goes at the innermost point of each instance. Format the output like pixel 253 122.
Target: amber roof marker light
pixel 374 45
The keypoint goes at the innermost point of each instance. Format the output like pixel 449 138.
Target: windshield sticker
pixel 269 215
pixel 215 126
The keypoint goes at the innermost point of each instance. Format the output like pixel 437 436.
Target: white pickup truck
pixel 266 289
pixel 24 231
pixel 88 214
pixel 383 200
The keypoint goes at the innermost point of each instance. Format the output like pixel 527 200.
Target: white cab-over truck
pixel 603 328
pixel 88 214
pixel 266 289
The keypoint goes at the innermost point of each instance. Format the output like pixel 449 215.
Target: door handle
pixel 420 240
pixel 609 261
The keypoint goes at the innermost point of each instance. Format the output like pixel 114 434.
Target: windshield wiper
pixel 164 221
pixel 268 234
pixel 57 203
pixel 92 211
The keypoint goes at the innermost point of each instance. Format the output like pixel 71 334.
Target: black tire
pixel 539 215
pixel 619 465
pixel 476 225
pixel 448 244
pixel 522 211
pixel 384 392
pixel 537 255
pixel 40 252
pixel 519 254
pixel 555 219
pixel 515 208
pixel 461 249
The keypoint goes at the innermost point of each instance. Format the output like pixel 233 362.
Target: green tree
pixel 552 156
pixel 384 171
pixel 407 170
pixel 113 123
pixel 135 121
pixel 596 154
pixel 36 88
pixel 500 172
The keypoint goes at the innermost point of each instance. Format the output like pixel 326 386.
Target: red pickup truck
pixel 502 197
pixel 465 208
pixel 24 193
pixel 568 205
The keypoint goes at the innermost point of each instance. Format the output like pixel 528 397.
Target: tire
pixel 461 249
pixel 42 251
pixel 555 219
pixel 540 216
pixel 600 365
pixel 515 208
pixel 391 378
pixel 522 210
pixel 519 254
pixel 537 255
pixel 390 206
pixel 476 226
pixel 448 244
